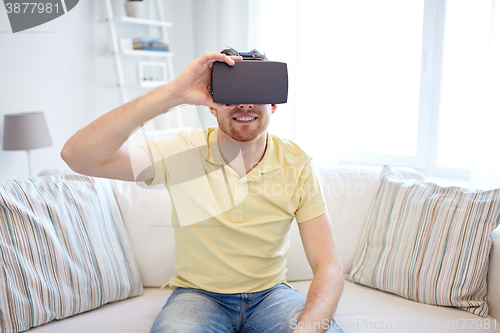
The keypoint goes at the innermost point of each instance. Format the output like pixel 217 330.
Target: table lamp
pixel 25 131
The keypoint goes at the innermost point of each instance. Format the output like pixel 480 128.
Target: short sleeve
pixel 312 202
pixel 156 150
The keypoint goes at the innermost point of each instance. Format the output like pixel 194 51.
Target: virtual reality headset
pixel 250 82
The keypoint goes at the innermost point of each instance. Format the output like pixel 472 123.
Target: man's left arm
pixel 328 282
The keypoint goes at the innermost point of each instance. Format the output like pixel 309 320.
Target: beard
pixel 242 132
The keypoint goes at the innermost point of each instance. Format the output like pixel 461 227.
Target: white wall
pixel 64 69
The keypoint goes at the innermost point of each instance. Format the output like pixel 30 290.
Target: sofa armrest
pixel 494 276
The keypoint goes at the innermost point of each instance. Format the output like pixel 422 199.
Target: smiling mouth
pixel 245 119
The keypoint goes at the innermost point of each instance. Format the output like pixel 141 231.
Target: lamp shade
pixel 25 131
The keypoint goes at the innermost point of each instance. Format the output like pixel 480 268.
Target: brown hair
pixel 256 55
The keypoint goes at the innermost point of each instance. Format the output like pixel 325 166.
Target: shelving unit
pixel 147 53
pixel 143 21
pixel 112 22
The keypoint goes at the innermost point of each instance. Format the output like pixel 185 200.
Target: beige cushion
pixel 494 275
pixel 428 243
pixel 362 309
pixel 147 213
pixel 134 315
pixel 349 193
pixel 358 308
pixel 64 250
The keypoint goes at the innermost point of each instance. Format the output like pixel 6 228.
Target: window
pixel 465 53
pixel 379 81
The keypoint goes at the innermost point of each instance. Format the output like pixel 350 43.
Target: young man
pixel 235 190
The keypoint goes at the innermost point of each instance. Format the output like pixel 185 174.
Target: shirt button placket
pixel 237 211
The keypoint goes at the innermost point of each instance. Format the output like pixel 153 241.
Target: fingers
pixel 209 58
pixel 234 58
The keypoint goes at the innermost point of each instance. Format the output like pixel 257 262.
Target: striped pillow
pixel 63 250
pixel 428 243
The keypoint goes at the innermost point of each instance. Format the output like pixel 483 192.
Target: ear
pixel 273 108
pixel 213 111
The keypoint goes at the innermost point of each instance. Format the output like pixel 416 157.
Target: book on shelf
pixel 150 44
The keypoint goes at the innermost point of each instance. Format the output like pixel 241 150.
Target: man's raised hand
pixel 192 85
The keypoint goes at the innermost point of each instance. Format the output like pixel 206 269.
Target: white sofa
pixel 349 194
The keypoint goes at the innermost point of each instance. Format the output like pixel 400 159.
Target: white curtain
pixel 276 28
pixel 353 79
pixel 328 37
pixel 486 167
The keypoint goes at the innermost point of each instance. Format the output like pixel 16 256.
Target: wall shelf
pixel 117 55
pixel 144 53
pixel 134 20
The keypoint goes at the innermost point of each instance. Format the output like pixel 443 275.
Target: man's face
pixel 243 122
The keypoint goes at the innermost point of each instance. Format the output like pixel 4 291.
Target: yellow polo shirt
pixel 232 233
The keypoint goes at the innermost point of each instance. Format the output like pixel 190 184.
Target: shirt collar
pixel 268 163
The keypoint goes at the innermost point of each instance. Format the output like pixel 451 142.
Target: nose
pixel 246 106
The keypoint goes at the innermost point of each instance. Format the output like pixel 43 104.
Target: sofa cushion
pixel 64 250
pixel 494 275
pixel 360 310
pixel 133 315
pixel 349 192
pixel 429 243
pixel 365 310
pixel 147 214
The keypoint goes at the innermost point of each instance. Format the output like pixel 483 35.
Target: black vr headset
pixel 249 82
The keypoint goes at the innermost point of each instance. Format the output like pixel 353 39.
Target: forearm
pixel 96 143
pixel 322 300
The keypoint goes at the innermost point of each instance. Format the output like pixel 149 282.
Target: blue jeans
pixel 274 310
